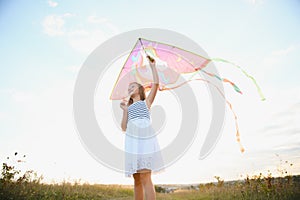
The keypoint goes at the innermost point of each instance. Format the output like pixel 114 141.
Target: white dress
pixel 142 150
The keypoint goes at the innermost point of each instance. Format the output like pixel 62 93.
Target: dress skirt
pixel 142 150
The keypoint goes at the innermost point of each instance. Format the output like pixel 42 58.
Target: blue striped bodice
pixel 138 109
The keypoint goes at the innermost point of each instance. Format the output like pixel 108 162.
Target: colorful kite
pixel 171 62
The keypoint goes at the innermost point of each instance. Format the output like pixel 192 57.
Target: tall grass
pixel 15 184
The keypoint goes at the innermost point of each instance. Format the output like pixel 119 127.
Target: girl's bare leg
pixel 138 187
pixel 145 177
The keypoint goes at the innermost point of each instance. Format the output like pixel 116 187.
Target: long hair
pixel 141 93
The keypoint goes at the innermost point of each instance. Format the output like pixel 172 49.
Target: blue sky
pixel 44 43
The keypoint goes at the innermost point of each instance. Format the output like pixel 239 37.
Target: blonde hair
pixel 141 93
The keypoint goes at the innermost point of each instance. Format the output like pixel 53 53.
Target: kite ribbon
pixel 242 149
pixel 249 76
pixel 236 88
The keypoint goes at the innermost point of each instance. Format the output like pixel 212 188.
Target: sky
pixel 44 44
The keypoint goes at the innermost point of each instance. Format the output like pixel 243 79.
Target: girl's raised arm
pixel 150 98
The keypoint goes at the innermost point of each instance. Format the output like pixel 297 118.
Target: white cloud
pixel 83 38
pixel 112 27
pixel 54 25
pixel 68 15
pixel 284 52
pixel 2 115
pixel 92 19
pixel 96 20
pixel 255 2
pixel 274 62
pixel 73 68
pixel 79 32
pixel 18 95
pixel 86 41
pixel 276 56
pixel 52 4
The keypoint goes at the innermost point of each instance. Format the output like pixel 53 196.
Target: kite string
pixel 242 149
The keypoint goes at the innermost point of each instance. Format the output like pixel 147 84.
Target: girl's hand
pixel 123 105
pixel 151 61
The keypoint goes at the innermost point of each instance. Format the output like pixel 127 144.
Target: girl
pixel 142 154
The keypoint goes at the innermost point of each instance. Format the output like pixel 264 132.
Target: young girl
pixel 142 154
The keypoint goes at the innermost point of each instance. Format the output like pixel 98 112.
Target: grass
pixel 14 185
pixel 282 188
pixel 62 191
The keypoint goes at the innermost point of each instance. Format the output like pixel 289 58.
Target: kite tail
pixel 245 73
pixel 235 87
pixel 228 103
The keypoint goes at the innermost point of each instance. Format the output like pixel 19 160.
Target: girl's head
pixel 136 89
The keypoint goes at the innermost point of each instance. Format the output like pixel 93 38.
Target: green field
pixel 17 185
pixel 258 188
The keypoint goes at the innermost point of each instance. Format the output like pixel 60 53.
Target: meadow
pixel 27 185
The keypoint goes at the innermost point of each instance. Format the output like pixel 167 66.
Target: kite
pixel 171 62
